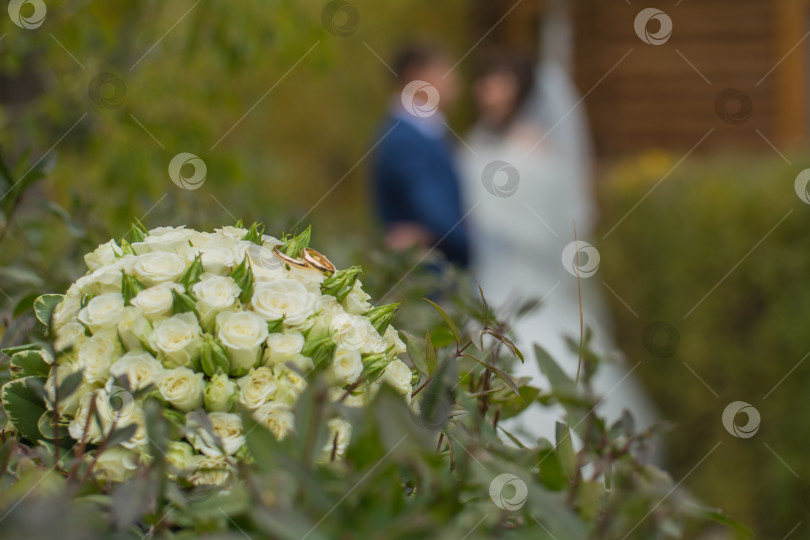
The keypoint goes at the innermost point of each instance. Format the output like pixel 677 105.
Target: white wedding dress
pixel 518 241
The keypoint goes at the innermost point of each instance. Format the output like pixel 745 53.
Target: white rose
pixel 140 367
pixel 71 334
pixel 310 278
pixel 282 347
pixel 158 267
pixel 220 393
pixel 266 266
pixel 182 388
pixel 290 385
pixel 177 339
pixel 357 398
pixel 102 312
pixel 340 432
pixel 242 334
pixel 103 280
pixel 257 387
pixel 116 464
pixel 227 427
pixel 214 294
pixel 391 341
pixel 95 357
pixel 103 255
pixel 210 471
pixel 283 298
pixel 346 365
pixel 134 329
pixel 355 332
pixel 76 428
pixel 156 302
pixel 179 455
pixel 276 417
pixel 231 233
pixel 166 239
pixel 219 260
pixel 139 440
pixel 68 405
pixel 65 311
pixel 357 301
pixel 399 376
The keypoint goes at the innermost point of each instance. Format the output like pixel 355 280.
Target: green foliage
pixel 714 263
pixel 442 472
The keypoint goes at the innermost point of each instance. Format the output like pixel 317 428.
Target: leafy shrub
pixel 714 264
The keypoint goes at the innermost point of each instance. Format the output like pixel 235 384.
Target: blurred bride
pixel 525 182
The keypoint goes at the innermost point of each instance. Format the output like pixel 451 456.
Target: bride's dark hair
pixel 521 67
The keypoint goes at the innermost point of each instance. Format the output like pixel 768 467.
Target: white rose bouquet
pixel 210 325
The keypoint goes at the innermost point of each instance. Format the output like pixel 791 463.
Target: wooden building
pixel 737 67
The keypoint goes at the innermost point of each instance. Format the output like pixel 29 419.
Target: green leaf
pixel 516 405
pixel 341 283
pixel 255 233
pixel 294 246
pixel 23 404
pixel 182 303
pixel 560 382
pixel 243 276
pixel 44 306
pixel 213 357
pixel 430 355
pixel 497 371
pixel 121 435
pixel 450 324
pixel 137 232
pixel 374 365
pixel 192 274
pixel 28 364
pixel 25 304
pixel 11 351
pixel 69 385
pixel 506 341
pixel 130 287
pixel 565 450
pixel 551 474
pixel 320 350
pixel 381 316
pixel 275 326
pixel 416 352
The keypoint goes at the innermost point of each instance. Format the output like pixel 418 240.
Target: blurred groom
pixel 415 181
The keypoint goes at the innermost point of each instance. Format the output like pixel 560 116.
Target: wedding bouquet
pixel 210 325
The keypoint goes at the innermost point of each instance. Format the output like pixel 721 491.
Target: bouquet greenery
pixel 204 323
pixel 229 385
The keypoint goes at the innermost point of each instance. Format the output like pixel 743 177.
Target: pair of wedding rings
pixel 309 258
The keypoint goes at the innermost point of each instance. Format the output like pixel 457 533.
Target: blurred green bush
pixel 280 99
pixel 718 252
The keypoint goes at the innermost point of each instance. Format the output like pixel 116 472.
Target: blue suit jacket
pixel 415 179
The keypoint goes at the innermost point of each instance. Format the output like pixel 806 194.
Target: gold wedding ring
pixel 298 263
pixel 318 261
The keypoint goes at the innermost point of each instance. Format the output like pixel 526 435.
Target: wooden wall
pixel 655 98
pixel 643 96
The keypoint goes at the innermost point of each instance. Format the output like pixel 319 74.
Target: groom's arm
pixel 432 204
